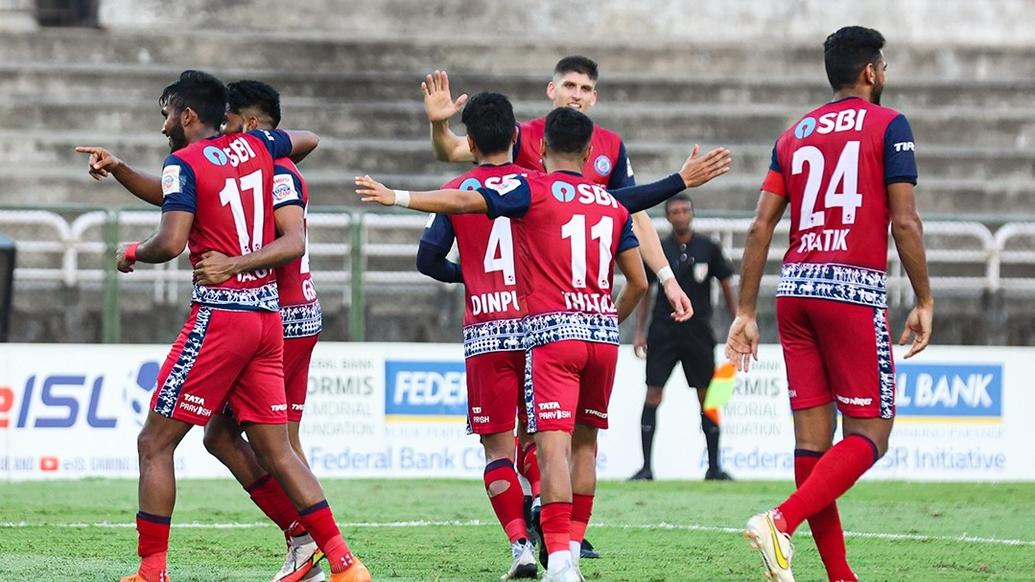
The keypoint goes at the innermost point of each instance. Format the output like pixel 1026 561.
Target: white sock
pixel 576 551
pixel 559 561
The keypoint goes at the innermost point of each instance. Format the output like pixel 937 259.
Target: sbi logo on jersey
pixel 216 155
pixel 587 194
pixel 833 122
pixel 470 184
pixel 503 185
pixel 602 165
pixel 425 389
pixel 805 128
pixel 959 390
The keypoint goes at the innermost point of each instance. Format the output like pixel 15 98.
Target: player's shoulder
pixel 602 133
pixel 282 165
pixel 538 125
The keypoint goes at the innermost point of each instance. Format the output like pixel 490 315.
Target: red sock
pixel 271 498
pixel 825 524
pixel 834 473
pixel 556 523
pixel 581 510
pixel 319 520
pixel 529 467
pixel 509 504
pixel 152 545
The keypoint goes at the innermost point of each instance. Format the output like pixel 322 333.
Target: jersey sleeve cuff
pixel 900 180
pixel 178 208
pixel 295 202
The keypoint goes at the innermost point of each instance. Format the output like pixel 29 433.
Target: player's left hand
pixel 123 264
pixel 684 309
pixel 370 190
pixel 919 325
pixel 698 170
pixel 213 268
pixel 742 342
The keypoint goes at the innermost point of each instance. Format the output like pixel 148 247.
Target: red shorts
pixel 837 352
pixel 298 352
pixel 224 357
pixel 494 382
pixel 569 382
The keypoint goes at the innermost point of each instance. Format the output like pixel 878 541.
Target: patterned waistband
pixel 554 327
pixel 302 320
pixel 844 283
pixel 263 298
pixel 503 335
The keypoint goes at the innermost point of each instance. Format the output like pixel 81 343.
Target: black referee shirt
pixel 694 264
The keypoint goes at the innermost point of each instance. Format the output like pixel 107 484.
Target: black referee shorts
pixel 690 344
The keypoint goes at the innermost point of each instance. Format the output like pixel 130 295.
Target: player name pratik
pixel 826 240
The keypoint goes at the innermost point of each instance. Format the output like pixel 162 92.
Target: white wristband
pixel 402 198
pixel 665 274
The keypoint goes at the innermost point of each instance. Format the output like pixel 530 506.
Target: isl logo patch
pixel 602 165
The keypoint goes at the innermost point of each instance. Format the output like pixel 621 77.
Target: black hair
pixel 848 51
pixel 568 131
pixel 202 92
pixel 247 93
pixel 489 118
pixel 576 64
pixel 681 197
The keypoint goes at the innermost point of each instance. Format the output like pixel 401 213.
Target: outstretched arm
pixel 695 172
pixel 654 256
pixel 147 187
pixel 742 342
pixel 438 201
pixel 908 231
pixel 440 106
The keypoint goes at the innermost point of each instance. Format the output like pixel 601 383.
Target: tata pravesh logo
pixel 971 391
pixel 425 391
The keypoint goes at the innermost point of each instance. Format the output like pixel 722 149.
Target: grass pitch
pixel 445 530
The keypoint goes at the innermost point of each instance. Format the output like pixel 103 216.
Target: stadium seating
pixel 971 108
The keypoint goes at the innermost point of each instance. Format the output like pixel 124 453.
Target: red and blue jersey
pixel 608 163
pixel 568 230
pixel 833 167
pixel 492 308
pixel 226 181
pixel 299 305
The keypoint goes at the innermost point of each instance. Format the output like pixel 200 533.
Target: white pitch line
pixel 964 538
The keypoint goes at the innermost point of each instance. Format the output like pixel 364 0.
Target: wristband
pixel 402 198
pixel 131 252
pixel 664 274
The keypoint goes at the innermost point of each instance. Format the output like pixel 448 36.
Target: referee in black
pixel 695 261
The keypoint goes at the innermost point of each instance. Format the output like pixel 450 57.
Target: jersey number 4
pixel 499 253
pixel 846 175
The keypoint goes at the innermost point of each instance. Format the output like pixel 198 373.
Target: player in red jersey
pixel 492 319
pixel 564 286
pixel 574 86
pixel 847 170
pixel 255 105
pixel 218 193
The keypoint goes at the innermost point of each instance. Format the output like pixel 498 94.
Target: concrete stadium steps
pixel 380 156
pixel 738 194
pixel 145 83
pixel 492 55
pixel 675 123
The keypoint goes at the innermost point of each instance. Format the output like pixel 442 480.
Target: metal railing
pixel 355 253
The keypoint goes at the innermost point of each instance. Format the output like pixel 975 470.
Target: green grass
pixel 474 548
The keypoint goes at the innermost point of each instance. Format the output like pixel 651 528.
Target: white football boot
pixel 774 545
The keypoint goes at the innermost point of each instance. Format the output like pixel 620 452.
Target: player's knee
pixel 216 444
pixel 654 395
pixel 150 445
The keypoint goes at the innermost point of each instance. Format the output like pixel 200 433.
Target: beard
pixel 876 93
pixel 177 138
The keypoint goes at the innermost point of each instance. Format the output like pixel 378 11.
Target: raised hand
pixel 438 101
pixel 698 170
